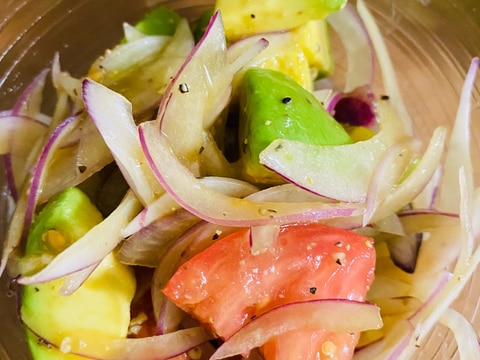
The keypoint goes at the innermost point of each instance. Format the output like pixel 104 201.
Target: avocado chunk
pixel 65 218
pixel 160 21
pixel 245 18
pixel 99 309
pixel 201 24
pixel 274 106
pixel 314 39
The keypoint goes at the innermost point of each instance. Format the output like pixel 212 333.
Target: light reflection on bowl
pixel 431 43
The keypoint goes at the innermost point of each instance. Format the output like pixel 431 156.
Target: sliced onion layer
pixel 341 316
pixel 216 207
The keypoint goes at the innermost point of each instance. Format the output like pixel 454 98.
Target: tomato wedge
pixel 226 286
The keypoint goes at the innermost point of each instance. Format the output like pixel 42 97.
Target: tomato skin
pixel 226 286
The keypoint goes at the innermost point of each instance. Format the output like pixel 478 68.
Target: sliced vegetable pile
pixel 203 194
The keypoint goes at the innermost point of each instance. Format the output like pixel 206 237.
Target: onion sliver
pixel 165 205
pixel 29 102
pixel 17 141
pixel 112 114
pixel 351 30
pixel 339 315
pixel 459 148
pixel 57 138
pixel 386 66
pixel 216 207
pixel 465 335
pixel 414 183
pixel 199 84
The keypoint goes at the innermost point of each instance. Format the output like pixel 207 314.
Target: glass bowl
pixel 431 43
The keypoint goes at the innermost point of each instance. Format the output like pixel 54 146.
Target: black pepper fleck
pixel 215 236
pixel 252 16
pixel 183 87
pixel 313 290
pixel 385 97
pixel 82 168
pixel 338 261
pixel 287 100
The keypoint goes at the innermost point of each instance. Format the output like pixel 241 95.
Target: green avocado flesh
pixel 244 18
pixel 273 106
pixel 161 21
pixel 66 218
pixel 99 309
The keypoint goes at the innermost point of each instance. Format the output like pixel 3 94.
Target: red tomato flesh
pixel 226 286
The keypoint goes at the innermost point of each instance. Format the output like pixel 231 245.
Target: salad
pixel 208 191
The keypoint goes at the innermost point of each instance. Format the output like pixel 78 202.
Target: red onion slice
pixel 341 316
pixel 203 83
pixel 198 85
pixel 29 102
pixel 464 332
pixel 112 114
pixel 54 143
pixel 354 36
pixel 412 185
pixel 216 207
pixel 146 247
pixel 389 78
pixel 458 148
pixel 17 141
pixel 165 205
pixel 387 174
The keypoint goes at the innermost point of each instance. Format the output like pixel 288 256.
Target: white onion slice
pixel 90 248
pixel 216 207
pixel 341 316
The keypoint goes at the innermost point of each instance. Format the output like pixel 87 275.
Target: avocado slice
pixel 201 24
pixel 244 18
pixel 160 21
pixel 274 106
pixel 100 308
pixel 314 39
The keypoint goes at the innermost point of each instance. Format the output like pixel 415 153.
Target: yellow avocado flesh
pixel 247 17
pixel 99 309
